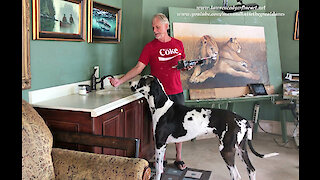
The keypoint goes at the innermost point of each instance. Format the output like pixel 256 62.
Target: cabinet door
pixel 132 121
pixel 147 143
pixel 64 120
pixel 111 124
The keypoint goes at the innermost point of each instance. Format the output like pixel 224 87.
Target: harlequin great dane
pixel 177 123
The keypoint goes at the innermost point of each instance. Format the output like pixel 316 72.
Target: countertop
pixel 96 102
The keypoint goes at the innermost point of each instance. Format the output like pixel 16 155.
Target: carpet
pixel 171 172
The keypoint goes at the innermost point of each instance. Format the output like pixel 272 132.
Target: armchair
pixel 41 161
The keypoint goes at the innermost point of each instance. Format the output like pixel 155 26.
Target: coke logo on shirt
pixel 164 52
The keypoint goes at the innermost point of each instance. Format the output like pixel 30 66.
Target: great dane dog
pixel 177 123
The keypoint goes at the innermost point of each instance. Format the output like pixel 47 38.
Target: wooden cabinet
pixel 131 120
pixel 146 134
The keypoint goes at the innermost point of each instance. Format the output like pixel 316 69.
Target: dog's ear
pixel 149 80
pixel 159 96
pixel 154 90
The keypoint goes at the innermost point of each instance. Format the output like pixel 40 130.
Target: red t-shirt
pixel 161 57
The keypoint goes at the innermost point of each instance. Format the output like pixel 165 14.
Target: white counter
pixel 96 102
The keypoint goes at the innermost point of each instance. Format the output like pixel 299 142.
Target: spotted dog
pixel 177 123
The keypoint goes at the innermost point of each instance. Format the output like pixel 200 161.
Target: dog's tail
pixel 249 136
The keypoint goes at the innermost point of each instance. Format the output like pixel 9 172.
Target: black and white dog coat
pixel 177 123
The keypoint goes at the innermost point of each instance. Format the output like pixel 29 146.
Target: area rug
pixel 173 173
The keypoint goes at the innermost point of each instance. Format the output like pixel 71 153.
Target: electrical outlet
pixel 97 72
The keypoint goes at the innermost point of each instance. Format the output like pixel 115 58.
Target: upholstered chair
pixel 41 161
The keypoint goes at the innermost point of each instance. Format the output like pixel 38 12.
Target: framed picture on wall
pixel 296 27
pixel 59 20
pixel 26 67
pixel 104 23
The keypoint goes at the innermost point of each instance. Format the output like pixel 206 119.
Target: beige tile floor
pixel 204 154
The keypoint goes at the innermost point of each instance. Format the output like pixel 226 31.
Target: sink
pixel 114 91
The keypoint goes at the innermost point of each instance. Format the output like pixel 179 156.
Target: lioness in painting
pixel 234 67
pixel 231 50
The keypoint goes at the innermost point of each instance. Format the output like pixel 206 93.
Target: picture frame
pixel 26 68
pixel 62 20
pixel 104 23
pixel 296 27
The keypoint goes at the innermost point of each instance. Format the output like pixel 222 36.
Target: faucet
pixel 101 80
pixel 94 81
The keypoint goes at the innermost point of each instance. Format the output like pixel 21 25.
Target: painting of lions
pixel 240 53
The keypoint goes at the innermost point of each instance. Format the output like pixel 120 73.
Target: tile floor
pixel 204 154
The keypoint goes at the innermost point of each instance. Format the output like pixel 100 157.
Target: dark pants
pixel 177 98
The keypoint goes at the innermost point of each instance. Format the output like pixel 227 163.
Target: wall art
pixel 104 23
pixel 239 55
pixel 59 20
pixel 296 27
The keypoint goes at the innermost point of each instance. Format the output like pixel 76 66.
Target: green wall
pixel 60 62
pixel 56 63
pixel 289 48
pixel 132 33
pixel 151 7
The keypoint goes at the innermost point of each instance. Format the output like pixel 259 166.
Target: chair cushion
pixel 76 165
pixel 36 145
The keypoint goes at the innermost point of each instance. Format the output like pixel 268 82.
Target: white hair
pixel 162 17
